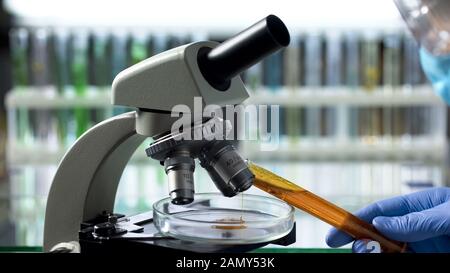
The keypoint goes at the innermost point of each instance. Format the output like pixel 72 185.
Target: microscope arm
pixel 82 193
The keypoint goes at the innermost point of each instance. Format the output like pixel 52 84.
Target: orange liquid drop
pixel 230 224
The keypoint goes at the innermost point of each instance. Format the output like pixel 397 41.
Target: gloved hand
pixel 422 219
pixel 437 70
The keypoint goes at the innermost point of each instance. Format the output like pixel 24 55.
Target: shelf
pixel 421 95
pixel 40 155
pixel 432 148
pixel 349 152
pixel 48 98
pixel 314 151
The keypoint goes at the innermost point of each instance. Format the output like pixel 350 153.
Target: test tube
pixel 60 64
pixel 352 50
pixel 334 62
pixel 377 123
pixel 412 71
pixel 320 208
pixel 399 123
pixel 60 78
pixel 336 117
pixel 118 52
pixel 100 72
pixel 174 41
pixel 412 76
pixel 159 43
pixel 100 69
pixel 313 79
pixel 138 47
pixel 19 49
pixel 370 61
pixel 42 121
pixel 291 63
pixel 370 80
pixel 79 75
pixel 390 78
pixel 291 82
pixel 118 55
pixel 273 71
pixel 39 57
pixel 20 128
pixel 352 47
pixel 392 65
pixel 391 61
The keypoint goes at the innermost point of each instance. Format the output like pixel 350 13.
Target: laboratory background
pixel 359 121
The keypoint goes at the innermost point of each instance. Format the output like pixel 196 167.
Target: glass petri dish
pixel 213 218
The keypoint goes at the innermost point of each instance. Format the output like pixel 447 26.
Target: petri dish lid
pixel 213 218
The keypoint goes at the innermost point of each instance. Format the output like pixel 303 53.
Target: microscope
pixel 81 199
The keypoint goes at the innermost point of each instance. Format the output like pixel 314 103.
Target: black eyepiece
pixel 221 64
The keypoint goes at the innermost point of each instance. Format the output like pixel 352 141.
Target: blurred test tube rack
pixel 358 119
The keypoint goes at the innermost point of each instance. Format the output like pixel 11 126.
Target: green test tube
pixel 138 47
pixel 79 78
pixel 118 55
pixel 99 67
pixel 60 77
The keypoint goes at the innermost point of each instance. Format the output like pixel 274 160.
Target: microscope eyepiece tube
pixel 245 49
pixel 180 172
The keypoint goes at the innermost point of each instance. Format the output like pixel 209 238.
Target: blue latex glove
pixel 422 219
pixel 437 70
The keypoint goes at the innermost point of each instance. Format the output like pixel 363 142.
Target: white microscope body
pixel 87 178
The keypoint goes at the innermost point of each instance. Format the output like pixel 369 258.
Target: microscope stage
pixel 117 233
